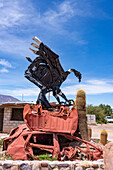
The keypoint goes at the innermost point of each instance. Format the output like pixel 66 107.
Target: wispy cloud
pixel 92 87
pixel 1 3
pixel 4 70
pixel 68 10
pixel 13 44
pixel 57 18
pixel 15 21
pixel 61 14
pixel 14 13
pixel 18 92
pixel 17 18
pixel 5 63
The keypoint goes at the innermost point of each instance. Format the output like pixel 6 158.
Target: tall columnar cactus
pixel 103 137
pixel 74 105
pixel 89 133
pixel 81 108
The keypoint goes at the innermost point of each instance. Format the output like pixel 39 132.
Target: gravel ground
pixel 3 135
pixel 96 130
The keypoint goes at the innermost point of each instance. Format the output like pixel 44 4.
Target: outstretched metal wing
pixel 45 68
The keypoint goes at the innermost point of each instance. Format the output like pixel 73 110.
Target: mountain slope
pixel 5 98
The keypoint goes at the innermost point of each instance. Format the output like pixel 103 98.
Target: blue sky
pixel 79 31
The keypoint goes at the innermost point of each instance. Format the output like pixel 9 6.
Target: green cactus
pixel 89 133
pixel 74 105
pixel 81 108
pixel 81 99
pixel 81 93
pixel 103 137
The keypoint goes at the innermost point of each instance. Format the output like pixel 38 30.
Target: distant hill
pixel 5 98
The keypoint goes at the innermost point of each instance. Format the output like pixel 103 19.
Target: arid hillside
pixel 5 98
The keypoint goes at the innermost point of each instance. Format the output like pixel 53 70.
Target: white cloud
pixel 1 3
pixel 57 18
pixel 92 87
pixel 60 15
pixel 14 13
pixel 5 63
pixel 13 44
pixel 4 70
pixel 97 82
pixel 66 10
pixel 10 14
pixel 18 92
pixel 17 18
pixel 98 87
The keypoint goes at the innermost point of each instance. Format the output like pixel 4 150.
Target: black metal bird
pixel 46 72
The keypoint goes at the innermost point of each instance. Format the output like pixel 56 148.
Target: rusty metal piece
pixel 23 143
pixel 95 154
pixel 15 132
pixel 69 152
pixel 63 120
pixel 45 132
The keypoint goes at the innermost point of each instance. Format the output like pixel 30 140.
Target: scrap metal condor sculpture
pixel 46 72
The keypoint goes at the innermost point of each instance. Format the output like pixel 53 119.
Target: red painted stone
pixel 44 164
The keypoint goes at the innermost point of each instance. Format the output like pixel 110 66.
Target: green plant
pixel 81 93
pixel 74 105
pixel 107 109
pixel 80 98
pixel 46 157
pixel 98 140
pixel 1 142
pixel 8 157
pixel 98 112
pixel 5 157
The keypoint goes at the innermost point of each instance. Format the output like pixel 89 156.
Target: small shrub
pixel 8 157
pixel 98 141
pixel 46 157
pixel 5 157
pixel 1 142
pixel 98 112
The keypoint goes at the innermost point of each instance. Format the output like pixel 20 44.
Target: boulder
pixel 108 156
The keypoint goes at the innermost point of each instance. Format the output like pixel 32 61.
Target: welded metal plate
pixel 63 120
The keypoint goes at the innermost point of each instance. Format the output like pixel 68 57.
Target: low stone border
pixel 51 165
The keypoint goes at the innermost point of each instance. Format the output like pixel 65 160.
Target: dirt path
pixel 96 130
pixel 3 135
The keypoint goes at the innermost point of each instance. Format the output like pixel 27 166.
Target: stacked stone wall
pixel 8 124
pixel 52 165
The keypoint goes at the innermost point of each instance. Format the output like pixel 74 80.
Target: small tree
pixel 107 109
pixel 98 112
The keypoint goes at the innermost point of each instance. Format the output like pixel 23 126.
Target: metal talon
pixel 35 45
pixel 37 40
pixel 34 51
